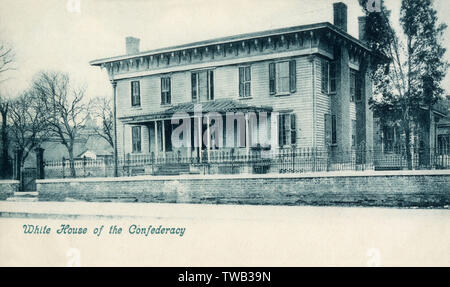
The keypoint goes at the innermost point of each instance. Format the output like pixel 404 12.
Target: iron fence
pixel 259 161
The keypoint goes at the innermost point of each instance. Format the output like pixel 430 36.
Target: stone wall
pixel 403 189
pixel 7 188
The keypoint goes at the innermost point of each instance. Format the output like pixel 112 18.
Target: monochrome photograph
pixel 252 133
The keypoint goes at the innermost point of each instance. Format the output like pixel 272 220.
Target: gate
pixel 29 179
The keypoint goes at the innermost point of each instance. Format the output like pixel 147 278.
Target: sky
pixel 56 35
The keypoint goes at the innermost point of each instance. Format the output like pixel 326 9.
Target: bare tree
pixel 5 166
pixel 27 127
pixel 66 112
pixel 6 59
pixel 102 111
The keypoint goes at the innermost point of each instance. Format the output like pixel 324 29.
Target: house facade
pixel 304 87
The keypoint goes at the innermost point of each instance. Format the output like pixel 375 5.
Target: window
pixel 135 94
pixel 332 77
pixel 325 77
pixel 202 85
pixel 136 139
pixel 282 77
pixel 165 90
pixel 244 82
pixel 287 131
pixel 333 130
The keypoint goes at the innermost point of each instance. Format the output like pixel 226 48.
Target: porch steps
pixel 172 169
pixel 30 196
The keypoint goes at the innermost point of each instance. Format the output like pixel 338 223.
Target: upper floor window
pixel 136 139
pixel 244 82
pixel 202 85
pixel 282 77
pixel 165 90
pixel 135 94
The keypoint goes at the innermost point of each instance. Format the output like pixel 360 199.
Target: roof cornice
pixel 236 38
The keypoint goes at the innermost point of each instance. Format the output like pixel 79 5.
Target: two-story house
pixel 305 86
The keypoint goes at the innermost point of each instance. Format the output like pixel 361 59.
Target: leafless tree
pixel 101 111
pixel 5 166
pixel 66 112
pixel 6 59
pixel 27 128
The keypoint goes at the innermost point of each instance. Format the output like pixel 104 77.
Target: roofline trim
pixel 228 39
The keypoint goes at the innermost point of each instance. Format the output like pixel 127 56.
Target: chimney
pixel 340 15
pixel 362 28
pixel 132 45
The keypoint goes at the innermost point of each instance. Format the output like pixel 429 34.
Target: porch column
pixel 208 132
pixel 200 138
pixel 163 138
pixel 156 139
pixel 116 161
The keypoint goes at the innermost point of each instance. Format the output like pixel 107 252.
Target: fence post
pixel 40 172
pixel 152 160
pixel 84 166
pixel 64 167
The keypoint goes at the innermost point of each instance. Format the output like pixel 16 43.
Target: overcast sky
pixel 47 36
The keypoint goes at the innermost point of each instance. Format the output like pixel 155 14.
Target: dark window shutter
pixel 272 87
pixel 169 94
pixel 292 76
pixel 162 91
pixel 211 84
pixel 241 82
pixel 138 94
pixel 194 86
pixel 293 129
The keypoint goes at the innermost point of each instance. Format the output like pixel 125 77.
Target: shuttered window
pixel 202 86
pixel 287 129
pixel 136 139
pixel 135 94
pixel 283 77
pixel 165 91
pixel 244 82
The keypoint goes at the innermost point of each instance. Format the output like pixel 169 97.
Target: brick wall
pixel 7 188
pixel 392 189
